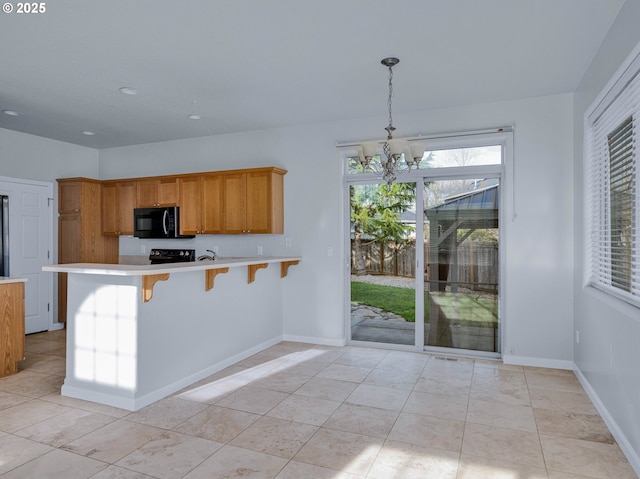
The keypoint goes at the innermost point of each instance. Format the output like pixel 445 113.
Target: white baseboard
pixel 538 362
pixel 95 396
pixel 314 340
pixel 620 437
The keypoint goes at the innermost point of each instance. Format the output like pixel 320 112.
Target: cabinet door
pixel 109 209
pixel 190 202
pixel 69 197
pixel 168 192
pixel 259 202
pixel 70 248
pixel 265 202
pixel 147 193
pixel 155 192
pixel 212 200
pixel 235 203
pixel 118 202
pixel 12 327
pixel 126 198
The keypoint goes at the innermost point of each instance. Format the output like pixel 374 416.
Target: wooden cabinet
pixel 118 202
pixel 254 201
pixel 70 197
pixel 235 203
pixel 232 202
pixel 200 201
pixel 80 238
pixel 12 327
pixel 155 192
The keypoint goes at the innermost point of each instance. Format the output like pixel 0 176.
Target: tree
pixel 376 216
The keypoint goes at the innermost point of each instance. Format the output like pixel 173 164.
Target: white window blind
pixel 611 155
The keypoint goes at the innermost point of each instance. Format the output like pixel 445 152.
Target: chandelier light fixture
pixel 394 150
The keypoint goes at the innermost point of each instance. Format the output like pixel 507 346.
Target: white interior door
pixel 30 234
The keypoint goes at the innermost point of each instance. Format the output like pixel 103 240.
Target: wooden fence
pixel 477 262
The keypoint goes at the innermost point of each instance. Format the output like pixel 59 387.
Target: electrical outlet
pixel 577 336
pixel 143 249
pixel 259 250
pixel 287 242
pixel 215 249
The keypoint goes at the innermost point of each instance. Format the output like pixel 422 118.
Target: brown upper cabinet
pixel 70 196
pixel 155 192
pixel 200 201
pixel 254 201
pixel 118 202
pixel 249 201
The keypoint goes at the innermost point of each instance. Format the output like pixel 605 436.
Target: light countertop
pixel 9 279
pixel 147 269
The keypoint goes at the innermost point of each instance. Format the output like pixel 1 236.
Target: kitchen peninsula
pixel 137 333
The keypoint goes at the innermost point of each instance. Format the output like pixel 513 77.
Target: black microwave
pixel 157 223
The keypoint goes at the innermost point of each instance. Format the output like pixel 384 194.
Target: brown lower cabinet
pixel 12 327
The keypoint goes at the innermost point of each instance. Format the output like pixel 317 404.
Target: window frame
pixel 597 233
pixel 503 171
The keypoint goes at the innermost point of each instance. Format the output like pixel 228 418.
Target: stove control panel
pixel 172 255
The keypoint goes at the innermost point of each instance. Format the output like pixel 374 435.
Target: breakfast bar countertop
pixel 148 269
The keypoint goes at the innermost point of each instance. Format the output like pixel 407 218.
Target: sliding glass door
pixel 461 244
pixel 425 250
pixel 383 257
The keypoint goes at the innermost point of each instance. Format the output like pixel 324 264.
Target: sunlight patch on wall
pixel 105 337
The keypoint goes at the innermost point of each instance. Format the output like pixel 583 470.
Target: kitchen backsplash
pixel 226 245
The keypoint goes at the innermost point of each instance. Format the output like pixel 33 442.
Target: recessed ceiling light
pixel 195 117
pixel 11 112
pixel 88 133
pixel 128 90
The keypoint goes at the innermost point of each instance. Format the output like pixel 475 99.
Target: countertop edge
pixel 7 280
pixel 143 270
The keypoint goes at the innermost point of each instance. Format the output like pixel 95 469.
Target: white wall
pixel 608 354
pixel 35 158
pixel 538 270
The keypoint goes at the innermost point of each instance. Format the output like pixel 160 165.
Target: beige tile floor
pixel 298 411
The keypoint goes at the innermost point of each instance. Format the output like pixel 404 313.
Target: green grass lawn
pixel 464 309
pixel 400 301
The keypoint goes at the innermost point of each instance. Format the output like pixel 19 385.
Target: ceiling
pixel 257 64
